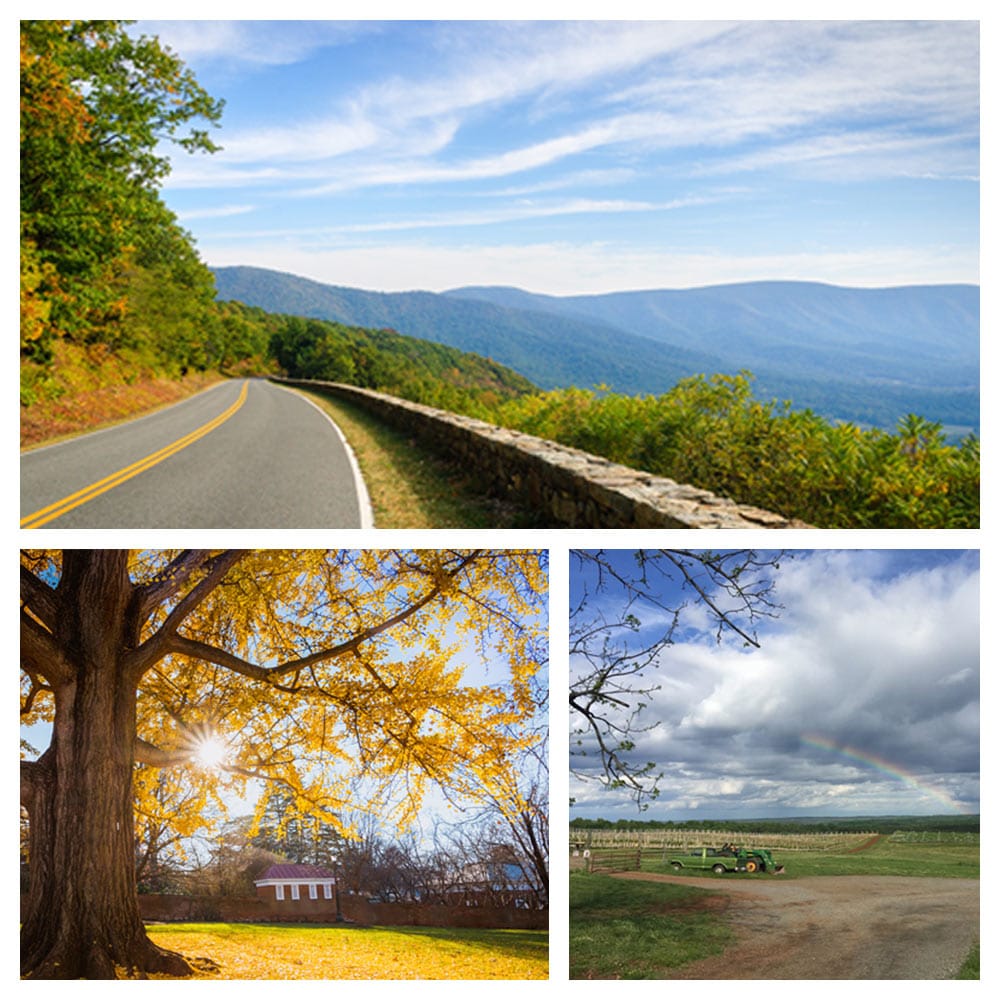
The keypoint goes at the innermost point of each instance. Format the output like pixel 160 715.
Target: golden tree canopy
pixel 320 672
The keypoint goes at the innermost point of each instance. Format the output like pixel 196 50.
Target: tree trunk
pixel 82 918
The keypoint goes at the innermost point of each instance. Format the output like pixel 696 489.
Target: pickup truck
pixel 726 859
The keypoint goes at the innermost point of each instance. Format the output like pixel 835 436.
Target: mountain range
pixel 869 355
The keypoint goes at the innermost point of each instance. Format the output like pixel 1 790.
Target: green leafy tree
pixel 96 105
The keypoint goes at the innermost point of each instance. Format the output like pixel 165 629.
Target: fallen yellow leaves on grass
pixel 301 951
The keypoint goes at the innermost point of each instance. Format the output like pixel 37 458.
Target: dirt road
pixel 839 927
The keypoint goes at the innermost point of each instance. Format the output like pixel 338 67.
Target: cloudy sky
pixel 586 157
pixel 863 698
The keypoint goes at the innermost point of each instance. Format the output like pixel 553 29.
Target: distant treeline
pixel 813 824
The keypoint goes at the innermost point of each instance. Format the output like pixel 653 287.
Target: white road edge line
pixel 365 512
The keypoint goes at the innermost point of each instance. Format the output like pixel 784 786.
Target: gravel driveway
pixel 839 927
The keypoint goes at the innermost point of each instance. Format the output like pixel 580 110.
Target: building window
pixel 279 892
pixel 327 890
pixel 295 891
pixel 312 890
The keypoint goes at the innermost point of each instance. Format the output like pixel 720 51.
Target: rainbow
pixel 886 767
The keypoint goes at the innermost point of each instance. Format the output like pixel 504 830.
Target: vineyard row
pixel 653 839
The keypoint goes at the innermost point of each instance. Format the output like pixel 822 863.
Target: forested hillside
pixel 868 355
pixel 404 366
pixel 550 350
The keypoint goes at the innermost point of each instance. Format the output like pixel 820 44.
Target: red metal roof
pixel 295 872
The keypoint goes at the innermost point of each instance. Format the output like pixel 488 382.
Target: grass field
pixel 947 856
pixel 318 951
pixel 635 930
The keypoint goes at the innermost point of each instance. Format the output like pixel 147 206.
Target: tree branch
pixel 156 646
pixel 181 570
pixel 35 777
pixel 147 753
pixel 173 577
pixel 223 658
pixel 40 598
pixel 42 654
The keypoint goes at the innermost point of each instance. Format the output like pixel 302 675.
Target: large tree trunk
pixel 82 918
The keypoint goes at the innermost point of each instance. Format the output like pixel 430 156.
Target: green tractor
pixel 727 859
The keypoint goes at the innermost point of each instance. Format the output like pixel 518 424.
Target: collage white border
pixel 559 542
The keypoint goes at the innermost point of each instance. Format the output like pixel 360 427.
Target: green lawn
pixel 322 951
pixel 970 967
pixel 635 930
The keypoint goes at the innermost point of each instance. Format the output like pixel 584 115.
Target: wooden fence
pixel 607 860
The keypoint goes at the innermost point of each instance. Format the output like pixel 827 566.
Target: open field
pixel 942 855
pixel 322 951
pixel 877 856
pixel 887 908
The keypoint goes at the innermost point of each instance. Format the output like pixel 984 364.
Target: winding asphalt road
pixel 243 454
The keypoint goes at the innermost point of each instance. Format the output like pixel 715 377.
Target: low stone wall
pixel 355 909
pixel 571 488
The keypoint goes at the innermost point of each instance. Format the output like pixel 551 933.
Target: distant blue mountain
pixel 867 355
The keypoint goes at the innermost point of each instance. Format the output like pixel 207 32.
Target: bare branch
pixel 612 652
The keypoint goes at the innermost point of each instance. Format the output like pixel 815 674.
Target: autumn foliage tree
pixel 316 672
pixel 97 107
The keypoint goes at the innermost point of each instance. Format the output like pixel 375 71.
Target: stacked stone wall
pixel 566 487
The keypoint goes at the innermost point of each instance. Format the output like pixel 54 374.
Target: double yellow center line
pixel 88 493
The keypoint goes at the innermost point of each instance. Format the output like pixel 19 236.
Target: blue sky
pixel 863 698
pixel 580 157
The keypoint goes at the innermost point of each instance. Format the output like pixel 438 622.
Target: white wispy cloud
pixel 855 155
pixel 528 58
pixel 254 43
pixel 218 212
pixel 519 212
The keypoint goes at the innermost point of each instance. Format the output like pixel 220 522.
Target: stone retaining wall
pixel 569 487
